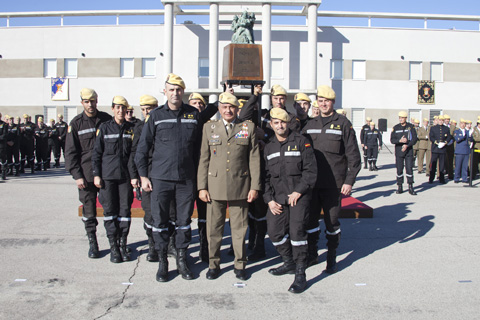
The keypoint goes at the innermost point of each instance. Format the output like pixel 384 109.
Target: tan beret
pixel 148 100
pixel 440 117
pixel 478 119
pixel 453 121
pixel 120 100
pixel 369 119
pixel 242 102
pixel 402 114
pixel 302 97
pixel 52 120
pixel 372 123
pixel 425 119
pixel 25 116
pixel 40 119
pixel 17 117
pixel 468 121
pixel 325 92
pixel 88 94
pixel 229 98
pixel 196 96
pixel 446 117
pixel 280 114
pixel 462 120
pixel 278 90
pixel 60 115
pixel 175 80
pixel 416 121
pixel 315 104
pixel 435 117
pixel 342 112
pixel 129 107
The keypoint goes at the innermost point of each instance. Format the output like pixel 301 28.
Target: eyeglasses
pixel 129 111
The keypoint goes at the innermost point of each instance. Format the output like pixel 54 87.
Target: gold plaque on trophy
pixel 242 62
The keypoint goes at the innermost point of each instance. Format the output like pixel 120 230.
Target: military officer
pixel 291 173
pixel 462 151
pixel 114 174
pixel 422 136
pixel 53 145
pixel 404 136
pixel 416 125
pixel 302 106
pixel 27 144
pixel 13 147
pixel 365 129
pixel 41 144
pixel 476 149
pixel 78 154
pixel 228 175
pixel 315 109
pixel 439 137
pixel 338 163
pixel 449 148
pixel 174 131
pixel 3 147
pixel 62 128
pixel 130 116
pixel 373 144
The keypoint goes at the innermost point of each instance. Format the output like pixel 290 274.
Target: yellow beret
pixel 435 117
pixel 196 96
pixel 229 98
pixel 129 107
pixel 468 121
pixel 11 117
pixel 478 119
pixel 280 114
pixel 40 118
pixel 369 119
pixel 242 102
pixel 302 97
pixel 60 115
pixel 341 111
pixel 416 121
pixel 315 104
pixel 148 100
pixel 52 120
pixel 446 116
pixel 325 92
pixel 175 80
pixel 88 94
pixel 440 117
pixel 120 100
pixel 425 119
pixel 462 120
pixel 278 90
pixel 17 117
pixel 402 114
pixel 372 123
pixel 453 121
pixel 25 116
pixel 6 116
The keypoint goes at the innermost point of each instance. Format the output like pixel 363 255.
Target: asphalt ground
pixel 417 258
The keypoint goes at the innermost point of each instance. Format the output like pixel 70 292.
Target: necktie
pixel 229 128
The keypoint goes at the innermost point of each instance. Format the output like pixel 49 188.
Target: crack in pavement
pixel 124 294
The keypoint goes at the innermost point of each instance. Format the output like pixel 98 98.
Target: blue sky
pixel 462 7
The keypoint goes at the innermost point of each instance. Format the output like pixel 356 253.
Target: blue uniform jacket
pixel 463 141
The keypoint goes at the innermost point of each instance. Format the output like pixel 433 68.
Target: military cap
pixel 325 92
pixel 416 121
pixel 40 119
pixel 402 114
pixel 453 121
pixel 440 117
pixel 25 116
pixel 425 119
pixel 468 121
pixel 52 120
pixel 315 104
pixel 120 100
pixel 369 119
pixel 17 117
pixel 129 107
pixel 478 119
pixel 342 112
pixel 175 80
pixel 196 96
pixel 435 117
pixel 60 115
pixel 372 123
pixel 302 97
pixel 148 100
pixel 278 90
pixel 88 94
pixel 229 98
pixel 446 116
pixel 280 114
pixel 462 120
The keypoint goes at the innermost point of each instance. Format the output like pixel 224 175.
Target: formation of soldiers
pixel 275 174
pixel 23 142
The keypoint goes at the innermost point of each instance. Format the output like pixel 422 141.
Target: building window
pixel 69 113
pixel 415 70
pixel 148 67
pixel 434 113
pixel 358 117
pixel 358 70
pixel 50 68
pixel 48 114
pixel 276 68
pixel 203 68
pixel 71 66
pixel 415 114
pixel 436 71
pixel 126 67
pixel 336 69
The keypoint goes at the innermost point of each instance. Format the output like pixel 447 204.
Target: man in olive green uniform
pixel 422 135
pixel 476 149
pixel 228 174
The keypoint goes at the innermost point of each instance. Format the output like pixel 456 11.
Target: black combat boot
pixel 331 261
pixel 57 163
pixel 123 249
pixel 259 248
pixel 4 172
pixel 375 166
pixel 312 255
pixel 399 189
pixel 410 189
pixel 300 283
pixel 182 266
pixel 152 255
pixel 365 163
pixel 93 252
pixel 288 267
pixel 171 250
pixel 202 236
pixel 162 273
pixel 442 178
pixel 371 166
pixel 115 256
pixel 17 170
pixel 32 167
pixel 22 166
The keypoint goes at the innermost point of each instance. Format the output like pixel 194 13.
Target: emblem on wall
pixel 426 92
pixel 59 89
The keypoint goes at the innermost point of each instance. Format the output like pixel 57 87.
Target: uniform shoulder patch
pixel 307 145
pixel 98 131
pixel 69 129
pixel 393 129
pixel 146 119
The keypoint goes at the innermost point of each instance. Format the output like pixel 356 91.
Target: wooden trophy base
pixel 242 62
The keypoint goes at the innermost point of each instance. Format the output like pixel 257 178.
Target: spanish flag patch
pixel 307 145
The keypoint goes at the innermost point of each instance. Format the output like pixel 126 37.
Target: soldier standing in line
pixel 338 163
pixel 416 124
pixel 13 147
pixel 3 147
pixel 462 151
pixel 422 136
pixel 291 173
pixel 53 145
pixel 449 148
pixel 439 137
pixel 78 161
pixel 27 146
pixel 373 144
pixel 404 137
pixel 41 144
pixel 365 129
pixel 476 151
pixel 62 128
